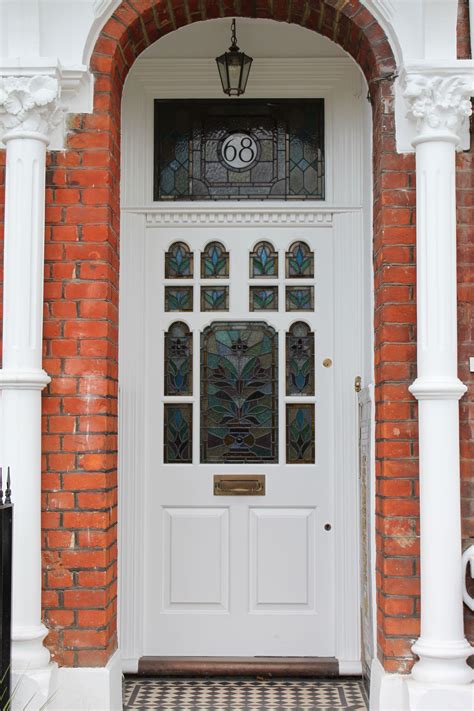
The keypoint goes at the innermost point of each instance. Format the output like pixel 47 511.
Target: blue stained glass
pixel 299 298
pixel 177 441
pixel 178 360
pixel 215 261
pixel 263 261
pixel 300 360
pixel 300 434
pixel 178 261
pixel 215 299
pixel 299 261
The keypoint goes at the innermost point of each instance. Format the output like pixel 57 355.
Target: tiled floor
pixel 243 695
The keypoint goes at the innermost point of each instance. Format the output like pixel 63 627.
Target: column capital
pixel 29 106
pixel 439 104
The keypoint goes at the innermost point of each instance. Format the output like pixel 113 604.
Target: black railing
pixel 6 532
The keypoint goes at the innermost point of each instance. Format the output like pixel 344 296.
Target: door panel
pixel 239 575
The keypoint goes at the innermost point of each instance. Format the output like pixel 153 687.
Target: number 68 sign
pixel 239 151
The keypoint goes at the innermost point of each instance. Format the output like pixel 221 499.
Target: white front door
pixel 239 370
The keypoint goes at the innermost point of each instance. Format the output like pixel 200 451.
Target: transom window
pixel 239 149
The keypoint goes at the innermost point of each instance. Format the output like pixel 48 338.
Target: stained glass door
pixel 239 333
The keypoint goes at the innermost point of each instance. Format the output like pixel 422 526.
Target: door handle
pixel 239 485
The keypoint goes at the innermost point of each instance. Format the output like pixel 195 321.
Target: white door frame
pixel 346 209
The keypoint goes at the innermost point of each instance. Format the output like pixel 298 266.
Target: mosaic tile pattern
pixel 243 695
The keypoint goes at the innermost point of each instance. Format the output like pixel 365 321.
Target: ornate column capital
pixel 439 104
pixel 29 106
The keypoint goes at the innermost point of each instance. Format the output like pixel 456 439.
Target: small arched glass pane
pixel 178 360
pixel 299 261
pixel 263 261
pixel 179 262
pixel 300 360
pixel 215 261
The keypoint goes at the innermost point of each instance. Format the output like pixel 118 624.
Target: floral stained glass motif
pixel 263 261
pixel 178 298
pixel 215 261
pixel 300 298
pixel 178 360
pixel 300 360
pixel 299 261
pixel 178 446
pixel 263 298
pixel 214 298
pixel 239 397
pixel 179 262
pixel 300 435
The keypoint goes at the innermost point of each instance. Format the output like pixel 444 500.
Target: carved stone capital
pixel 438 104
pixel 29 105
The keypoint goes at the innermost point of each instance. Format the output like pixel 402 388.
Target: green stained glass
pixel 178 443
pixel 299 261
pixel 263 261
pixel 300 298
pixel 239 397
pixel 263 298
pixel 214 298
pixel 178 360
pixel 300 360
pixel 300 435
pixel 215 261
pixel 178 262
pixel 178 298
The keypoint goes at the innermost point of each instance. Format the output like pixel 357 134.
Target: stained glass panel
pixel 177 442
pixel 215 261
pixel 263 261
pixel 300 435
pixel 239 149
pixel 263 298
pixel 299 261
pixel 178 360
pixel 300 298
pixel 300 360
pixel 239 400
pixel 178 298
pixel 179 262
pixel 214 298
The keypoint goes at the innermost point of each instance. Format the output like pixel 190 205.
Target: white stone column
pixel 28 113
pixel 439 105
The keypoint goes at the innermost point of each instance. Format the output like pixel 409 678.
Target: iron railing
pixel 6 532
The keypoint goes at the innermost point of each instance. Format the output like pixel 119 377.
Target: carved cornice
pixel 227 216
pixel 29 105
pixel 438 104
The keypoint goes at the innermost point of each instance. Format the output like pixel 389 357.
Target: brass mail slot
pixel 239 484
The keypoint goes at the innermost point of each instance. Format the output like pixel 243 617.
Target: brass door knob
pixel 327 362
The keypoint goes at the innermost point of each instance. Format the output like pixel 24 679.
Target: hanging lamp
pixel 234 67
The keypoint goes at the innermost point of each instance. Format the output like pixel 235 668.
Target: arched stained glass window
pixel 215 261
pixel 299 261
pixel 300 360
pixel 179 262
pixel 178 360
pixel 239 392
pixel 263 261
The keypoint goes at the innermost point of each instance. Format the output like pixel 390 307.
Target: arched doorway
pixel 206 576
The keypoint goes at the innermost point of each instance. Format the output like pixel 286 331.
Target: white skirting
pixel 397 692
pixel 95 688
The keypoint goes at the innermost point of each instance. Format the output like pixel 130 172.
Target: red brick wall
pixel 81 288
pixel 465 233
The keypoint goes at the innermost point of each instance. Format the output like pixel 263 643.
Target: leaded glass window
pixel 300 298
pixel 178 298
pixel 239 149
pixel 179 262
pixel 300 436
pixel 215 261
pixel 263 261
pixel 299 261
pixel 263 298
pixel 300 360
pixel 178 360
pixel 239 392
pixel 178 445
pixel 214 298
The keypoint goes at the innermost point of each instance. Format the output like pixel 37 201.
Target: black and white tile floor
pixel 141 694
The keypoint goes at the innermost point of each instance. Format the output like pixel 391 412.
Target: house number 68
pixel 239 150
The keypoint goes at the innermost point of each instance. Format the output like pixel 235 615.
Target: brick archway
pixel 81 295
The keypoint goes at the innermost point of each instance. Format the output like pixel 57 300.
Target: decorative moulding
pixel 226 216
pixel 23 379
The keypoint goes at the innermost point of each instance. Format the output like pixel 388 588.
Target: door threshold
pixel 300 667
